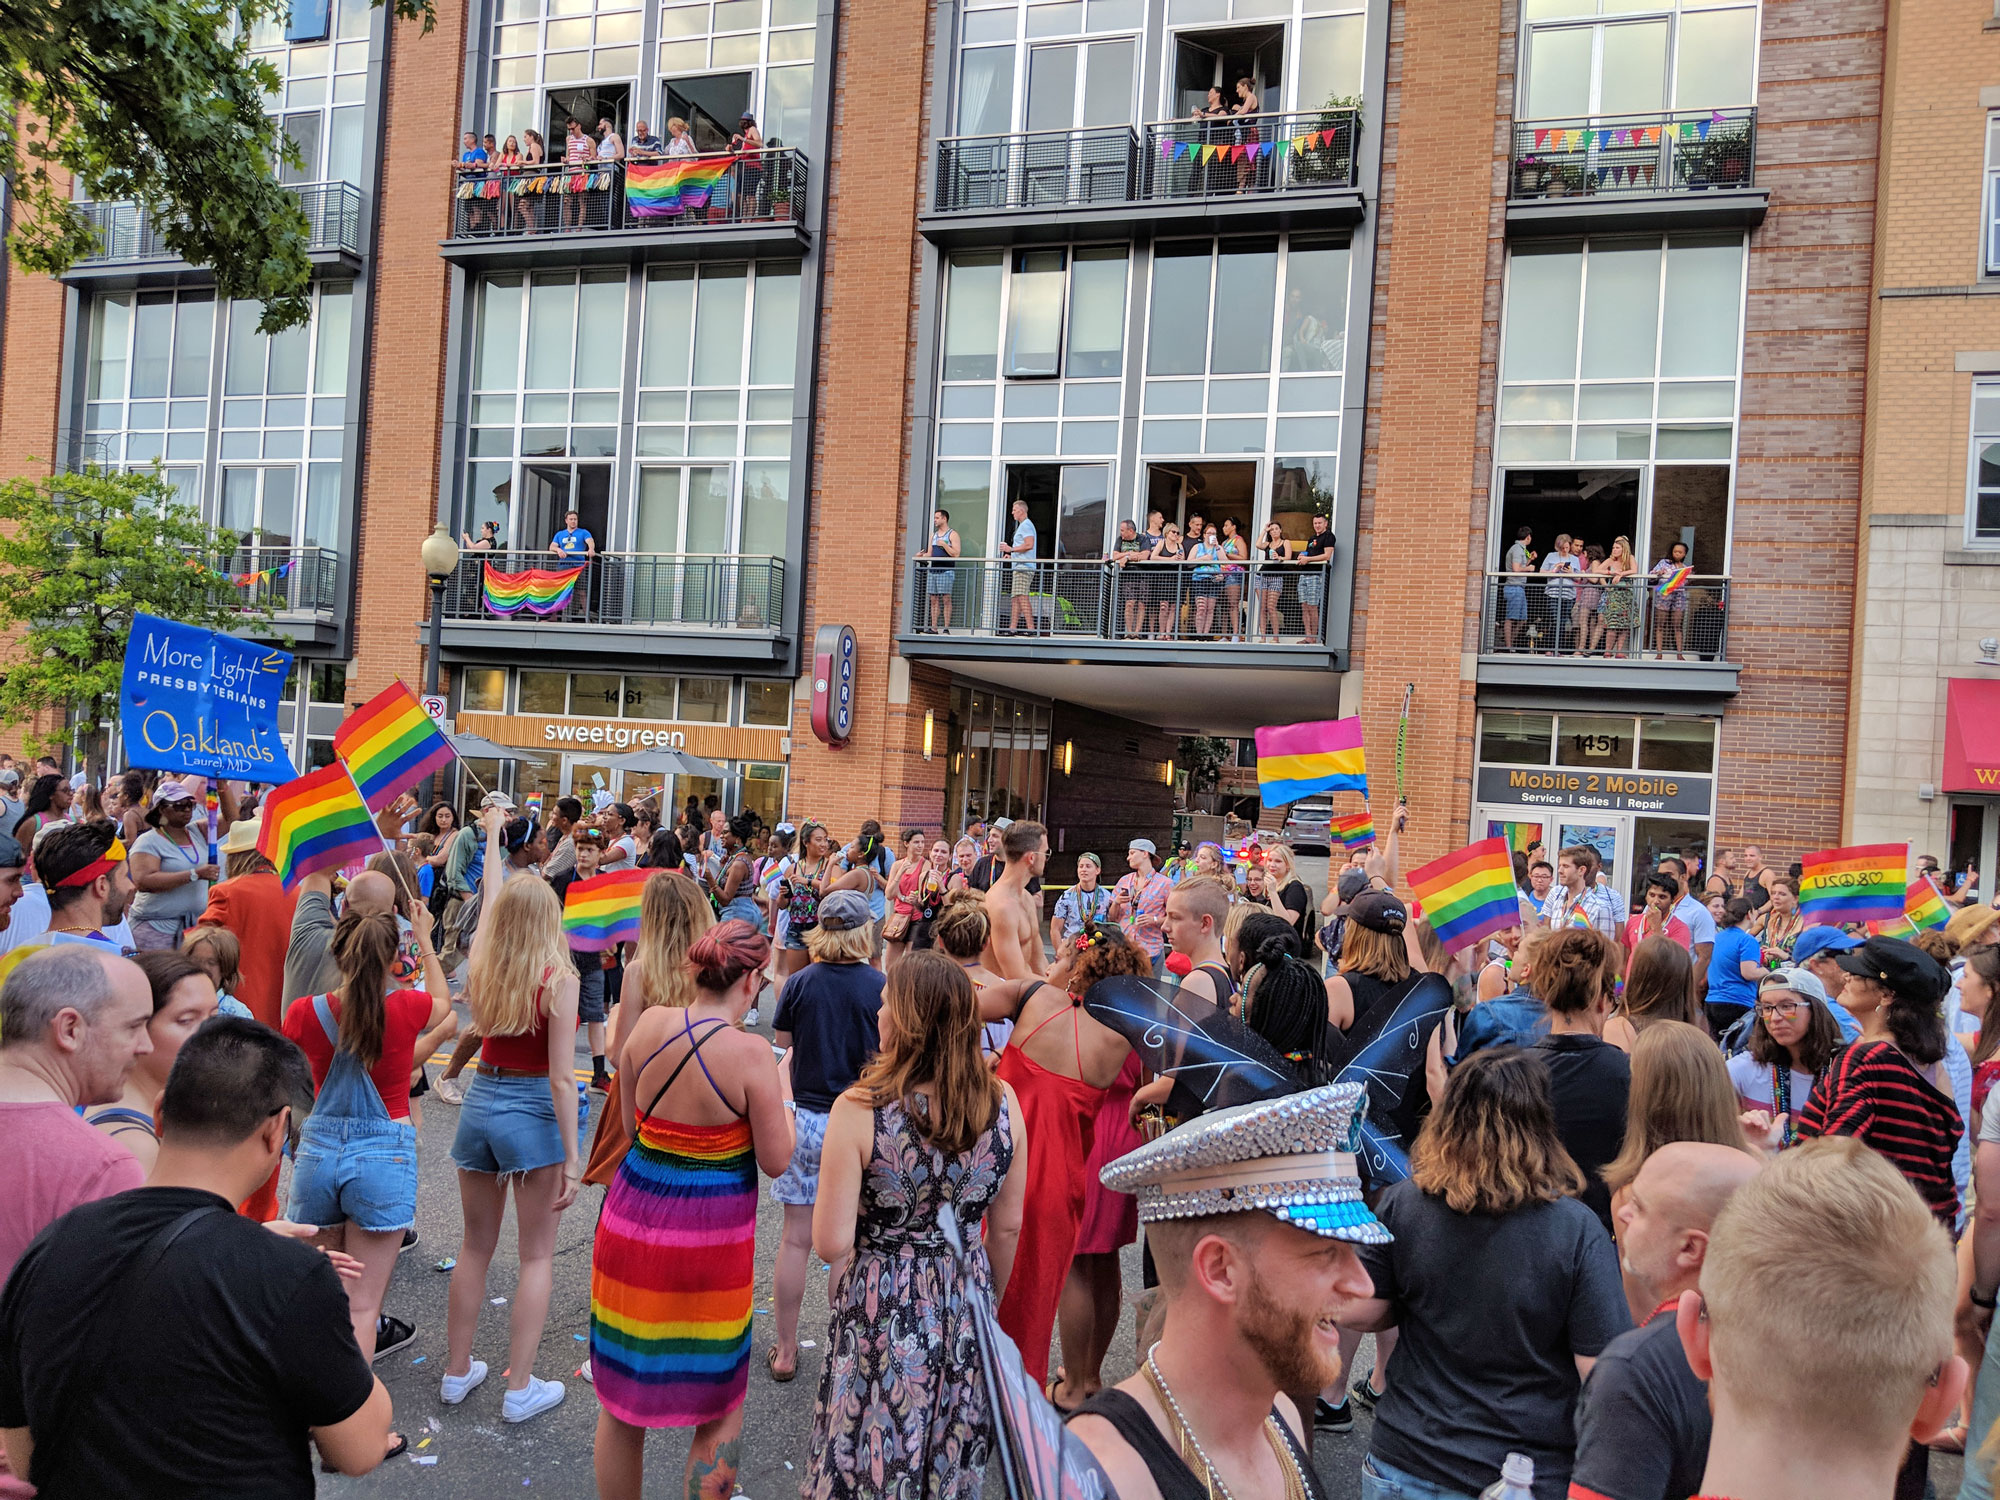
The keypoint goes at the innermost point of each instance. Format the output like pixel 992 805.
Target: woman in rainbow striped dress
pixel 676 1247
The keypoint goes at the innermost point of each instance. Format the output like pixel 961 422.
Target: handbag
pixel 613 1140
pixel 896 926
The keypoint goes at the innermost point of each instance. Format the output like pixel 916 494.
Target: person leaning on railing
pixel 471 158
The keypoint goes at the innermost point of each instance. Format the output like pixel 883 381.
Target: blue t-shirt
pixel 1024 532
pixel 476 154
pixel 1726 984
pixel 572 543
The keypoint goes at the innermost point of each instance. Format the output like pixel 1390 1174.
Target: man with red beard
pixel 1252 1214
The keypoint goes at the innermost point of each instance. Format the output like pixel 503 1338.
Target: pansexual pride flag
pixel 1469 895
pixel 1923 910
pixel 603 911
pixel 390 744
pixel 662 189
pixel 1861 883
pixel 1356 831
pixel 539 590
pixel 317 822
pixel 1298 760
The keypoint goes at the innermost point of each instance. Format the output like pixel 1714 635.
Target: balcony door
pixel 586 104
pixel 1587 72
pixel 551 490
pixel 713 106
pixel 1217 58
pixel 685 529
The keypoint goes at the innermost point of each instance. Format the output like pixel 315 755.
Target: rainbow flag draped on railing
pixel 1298 760
pixel 1356 831
pixel 539 590
pixel 390 744
pixel 317 822
pixel 1924 910
pixel 603 911
pixel 662 189
pixel 1469 895
pixel 1860 883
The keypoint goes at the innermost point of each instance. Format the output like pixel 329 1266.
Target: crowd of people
pixel 1632 1138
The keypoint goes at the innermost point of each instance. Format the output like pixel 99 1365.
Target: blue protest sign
pixel 196 701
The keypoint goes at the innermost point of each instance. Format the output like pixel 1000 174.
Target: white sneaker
pixel 750 1016
pixel 535 1397
pixel 457 1387
pixel 450 1090
pixel 584 1371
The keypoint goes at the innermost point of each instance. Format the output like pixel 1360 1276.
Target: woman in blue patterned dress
pixel 901 1412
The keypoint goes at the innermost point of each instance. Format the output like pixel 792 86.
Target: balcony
pixel 1538 631
pixel 631 605
pixel 1262 171
pixel 1694 170
pixel 621 211
pixel 132 250
pixel 298 587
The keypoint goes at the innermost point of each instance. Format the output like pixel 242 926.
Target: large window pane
pixel 972 318
pixel 708 510
pixel 288 363
pixel 152 337
pixel 659 528
pixel 322 506
pixel 497 359
pixel 1107 84
pixel 1714 60
pixel 669 329
pixel 774 326
pixel 1246 290
pixel 718 326
pixel 110 337
pixel 1544 289
pixel 1034 313
pixel 551 330
pixel 788 105
pixel 336 314
pixel 1634 77
pixel 243 361
pixel 1329 60
pixel 600 329
pixel 1085 491
pixel 1621 310
pixel 194 336
pixel 1051 88
pixel 1704 293
pixel 1177 318
pixel 343 151
pixel 986 90
pixel 764 509
pixel 965 494
pixel 1097 312
pixel 1558 72
pixel 1313 335
pixel 486 493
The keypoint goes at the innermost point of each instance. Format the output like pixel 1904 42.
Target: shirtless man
pixel 1014 945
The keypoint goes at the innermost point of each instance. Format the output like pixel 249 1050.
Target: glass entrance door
pixel 583 776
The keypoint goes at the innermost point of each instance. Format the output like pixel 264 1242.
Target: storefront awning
pixel 1972 736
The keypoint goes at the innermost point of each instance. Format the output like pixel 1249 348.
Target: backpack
pixel 801 905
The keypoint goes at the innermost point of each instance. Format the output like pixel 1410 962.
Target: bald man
pixel 309 965
pixel 1642 1420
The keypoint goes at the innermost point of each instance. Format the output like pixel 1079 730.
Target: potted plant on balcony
pixel 1331 161
pixel 1721 161
pixel 1529 175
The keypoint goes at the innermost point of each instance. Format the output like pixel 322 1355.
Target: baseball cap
pixel 1822 939
pixel 1352 884
pixel 1799 981
pixel 10 777
pixel 1905 968
pixel 1380 911
pixel 1144 846
pixel 12 856
pixel 171 791
pixel 497 799
pixel 843 911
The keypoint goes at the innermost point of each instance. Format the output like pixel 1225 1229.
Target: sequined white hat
pixel 1291 1157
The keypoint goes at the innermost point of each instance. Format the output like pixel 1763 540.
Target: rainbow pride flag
pixel 317 822
pixel 603 911
pixel 540 590
pixel 1860 883
pixel 1469 895
pixel 1356 831
pixel 390 744
pixel 1298 760
pixel 663 189
pixel 1675 581
pixel 1924 910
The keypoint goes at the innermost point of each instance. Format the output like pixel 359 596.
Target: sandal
pixel 396 1450
pixel 771 1364
pixel 1951 1440
pixel 1049 1390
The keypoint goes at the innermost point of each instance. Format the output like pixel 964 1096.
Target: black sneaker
pixel 1363 1391
pixel 1328 1418
pixel 409 1239
pixel 600 1082
pixel 392 1334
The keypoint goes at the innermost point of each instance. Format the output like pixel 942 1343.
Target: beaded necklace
pixel 1192 1452
pixel 1781 1097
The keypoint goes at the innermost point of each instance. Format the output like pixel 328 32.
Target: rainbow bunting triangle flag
pixel 1469 895
pixel 1356 831
pixel 1298 760
pixel 1860 883
pixel 317 822
pixel 390 744
pixel 1674 582
pixel 540 590
pixel 1924 910
pixel 603 911
pixel 662 189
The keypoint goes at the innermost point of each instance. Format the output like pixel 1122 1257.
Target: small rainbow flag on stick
pixel 317 822
pixel 390 744
pixel 603 911
pixel 662 189
pixel 539 590
pixel 1356 831
pixel 1924 910
pixel 1861 883
pixel 1298 760
pixel 1675 581
pixel 1469 895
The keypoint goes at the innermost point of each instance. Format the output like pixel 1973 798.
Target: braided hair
pixel 1285 1003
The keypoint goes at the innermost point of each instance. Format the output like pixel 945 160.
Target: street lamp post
pixel 440 555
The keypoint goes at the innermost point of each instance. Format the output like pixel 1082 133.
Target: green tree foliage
pixel 157 101
pixel 80 554
pixel 1203 756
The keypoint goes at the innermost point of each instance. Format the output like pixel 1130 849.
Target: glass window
pixel 194 333
pixel 336 309
pixel 669 327
pixel 1107 84
pixel 1329 60
pixel 497 355
pixel 767 703
pixel 600 329
pixel 482 689
pixel 972 318
pixel 1986 460
pixel 1097 312
pixel 1714 59
pixel 551 331
pixel 152 338
pixel 110 338
pixel 649 697
pixel 1313 336
pixel 985 90
pixel 1035 313
pixel 1632 78
pixel 595 693
pixel 1177 317
pixel 1677 745
pixel 1621 310
pixel 774 326
pixel 1993 194
pixel 1516 739
pixel 543 693
pixel 1544 290
pixel 1051 87
pixel 965 494
pixel 765 508
pixel 704 700
pixel 1559 72
pixel 718 326
pixel 1596 742
pixel 1700 333
pixel 1246 289
pixel 788 97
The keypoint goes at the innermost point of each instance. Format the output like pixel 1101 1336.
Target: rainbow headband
pixel 103 865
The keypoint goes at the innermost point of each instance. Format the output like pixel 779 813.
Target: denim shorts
pixel 507 1125
pixel 1312 588
pixel 590 989
pixel 795 939
pixel 799 1187
pixel 357 1171
pixel 1515 597
pixel 1380 1481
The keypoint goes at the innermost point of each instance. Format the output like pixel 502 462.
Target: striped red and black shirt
pixel 1875 1094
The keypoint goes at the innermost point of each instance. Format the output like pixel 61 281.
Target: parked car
pixel 1309 825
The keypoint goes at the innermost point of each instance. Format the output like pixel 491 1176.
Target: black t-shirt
pixel 1642 1421
pixel 987 870
pixel 1294 896
pixel 1316 546
pixel 1590 1079
pixel 830 1011
pixel 242 1343
pixel 1492 1312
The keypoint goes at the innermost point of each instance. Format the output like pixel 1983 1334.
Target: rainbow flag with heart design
pixel 1859 883
pixel 665 189
pixel 540 591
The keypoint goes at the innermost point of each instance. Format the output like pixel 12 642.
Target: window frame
pixel 1670 12
pixel 1985 386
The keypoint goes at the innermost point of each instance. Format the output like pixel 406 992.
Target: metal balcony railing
pixel 1631 620
pixel 755 187
pixel 279 580
pixel 126 232
pixel 648 590
pixel 1167 160
pixel 1634 155
pixel 1251 603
